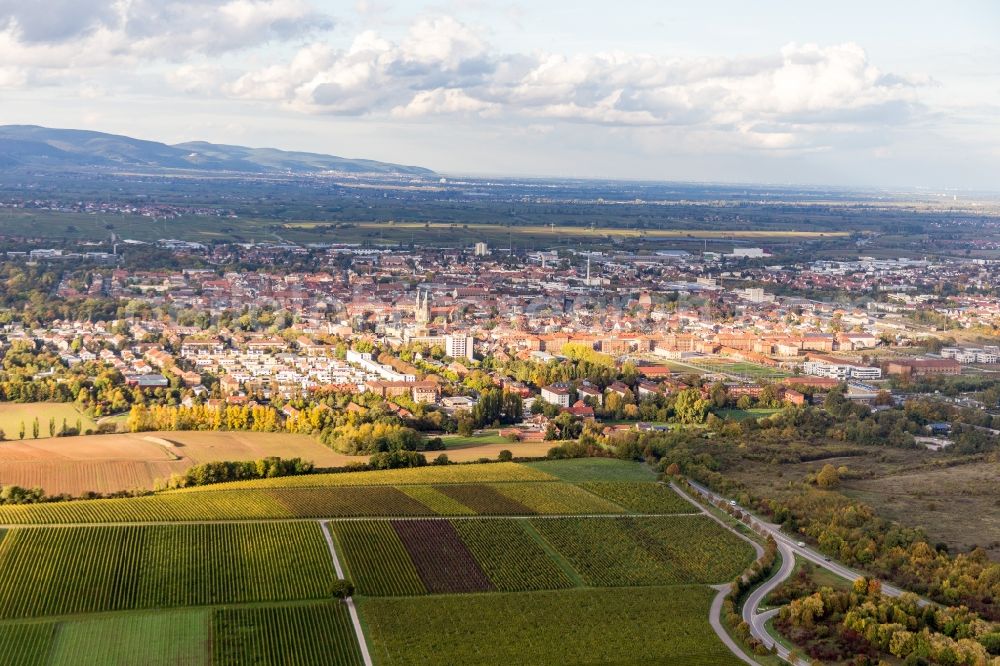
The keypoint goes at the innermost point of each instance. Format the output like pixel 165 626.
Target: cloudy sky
pixel 848 93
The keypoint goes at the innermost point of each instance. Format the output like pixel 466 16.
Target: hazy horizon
pixel 888 96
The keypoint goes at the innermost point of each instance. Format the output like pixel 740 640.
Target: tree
pixel 505 456
pixel 35 428
pixel 690 407
pixel 441 459
pixel 342 589
pixel 673 469
pixel 828 477
pixel 52 426
pixel 20 432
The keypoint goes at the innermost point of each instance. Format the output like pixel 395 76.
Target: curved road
pixel 789 549
pixel 805 552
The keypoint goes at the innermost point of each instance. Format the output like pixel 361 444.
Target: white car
pixel 801 544
pixel 732 502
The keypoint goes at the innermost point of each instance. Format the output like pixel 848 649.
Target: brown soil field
pixel 134 461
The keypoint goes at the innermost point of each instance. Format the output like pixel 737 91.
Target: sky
pixel 873 94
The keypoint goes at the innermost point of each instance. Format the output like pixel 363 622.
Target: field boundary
pixel 478 516
pixel 355 619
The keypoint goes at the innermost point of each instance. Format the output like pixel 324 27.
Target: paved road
pixel 715 619
pixel 789 549
pixel 805 552
pixel 758 621
pixel 351 609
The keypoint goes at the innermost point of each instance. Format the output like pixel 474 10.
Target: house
pixel 924 366
pixel 147 381
pixel 647 389
pixel 620 388
pixel 581 409
pixel 556 395
pixel 590 391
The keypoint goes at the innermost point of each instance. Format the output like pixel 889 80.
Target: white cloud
pixel 71 34
pixel 443 67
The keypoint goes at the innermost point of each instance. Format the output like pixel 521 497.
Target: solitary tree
pixel 35 428
pixel 828 477
pixel 20 432
pixel 52 426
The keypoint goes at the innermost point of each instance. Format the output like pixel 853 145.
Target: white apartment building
pixel 459 346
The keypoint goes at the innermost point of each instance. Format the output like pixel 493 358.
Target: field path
pixel 355 620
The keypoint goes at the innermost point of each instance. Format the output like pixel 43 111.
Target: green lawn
pixel 578 470
pixel 478 439
pixel 744 414
pixel 13 414
pixel 589 626
pixel 152 639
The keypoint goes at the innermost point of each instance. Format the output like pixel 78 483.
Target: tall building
pixel 459 346
pixel 482 249
pixel 422 309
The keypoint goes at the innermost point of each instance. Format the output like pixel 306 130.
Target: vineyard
pixel 485 500
pixel 84 570
pixel 513 560
pixel 580 470
pixel 437 501
pixel 647 551
pixel 555 498
pixel 25 644
pixel 641 497
pixel 512 498
pixel 160 639
pixel 461 564
pixel 491 473
pixel 556 627
pixel 376 559
pixel 443 562
pixel 306 635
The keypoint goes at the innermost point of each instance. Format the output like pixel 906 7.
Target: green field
pixel 612 552
pixel 479 439
pixel 244 575
pixel 156 639
pixel 513 560
pixel 743 369
pixel 473 473
pixel 317 634
pixel 511 498
pixel 576 470
pixel 634 626
pixel 13 414
pixel 641 497
pixel 72 570
pixel 744 414
pixel 375 558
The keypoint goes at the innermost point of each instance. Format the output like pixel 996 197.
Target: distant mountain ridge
pixel 31 146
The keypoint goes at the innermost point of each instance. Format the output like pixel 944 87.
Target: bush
pixel 342 588
pixel 442 460
pixel 397 459
pixel 505 456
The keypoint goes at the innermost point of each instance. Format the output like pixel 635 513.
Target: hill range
pixel 40 148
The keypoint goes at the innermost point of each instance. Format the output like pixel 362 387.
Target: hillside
pixel 42 148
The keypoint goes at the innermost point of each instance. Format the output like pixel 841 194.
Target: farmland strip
pixel 485 500
pixel 442 560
